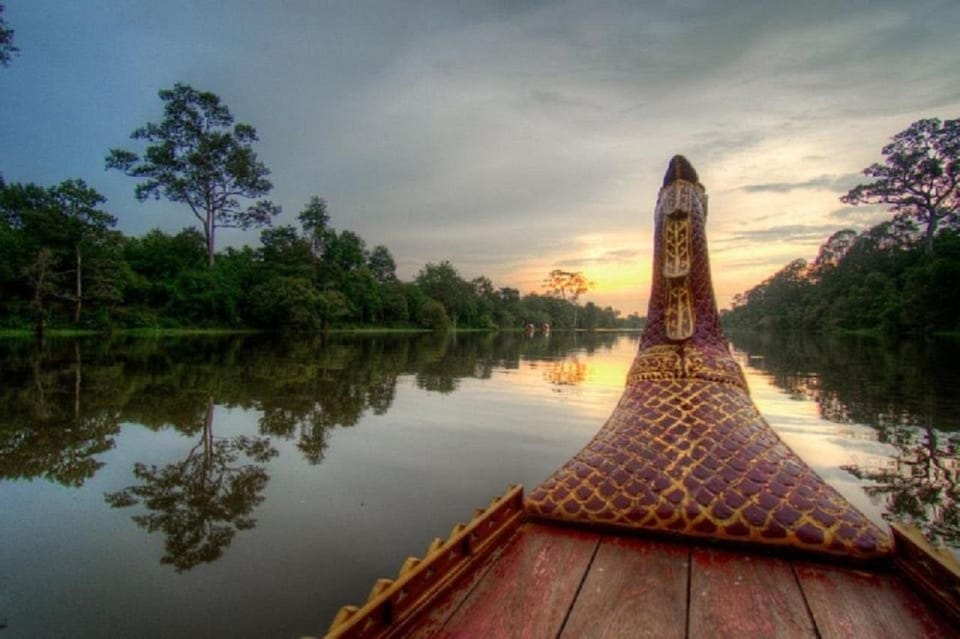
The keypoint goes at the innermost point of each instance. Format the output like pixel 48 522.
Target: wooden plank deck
pixel 559 582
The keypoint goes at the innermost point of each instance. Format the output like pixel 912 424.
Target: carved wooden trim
pixel 395 602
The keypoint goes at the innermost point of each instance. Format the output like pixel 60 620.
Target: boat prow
pixel 685 516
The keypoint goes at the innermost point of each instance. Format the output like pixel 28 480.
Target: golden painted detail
pixel 666 362
pixel 676 246
pixel 655 363
pixel 695 458
pixel 681 196
pixel 678 204
pixel 679 312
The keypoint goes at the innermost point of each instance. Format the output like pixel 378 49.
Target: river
pixel 249 486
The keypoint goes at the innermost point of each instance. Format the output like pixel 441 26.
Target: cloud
pixel 610 257
pixel 493 134
pixel 835 183
pixel 792 233
pixel 860 213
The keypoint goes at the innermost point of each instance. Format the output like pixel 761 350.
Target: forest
pixel 66 266
pixel 899 276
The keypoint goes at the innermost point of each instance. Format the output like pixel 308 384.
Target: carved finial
pixel 680 169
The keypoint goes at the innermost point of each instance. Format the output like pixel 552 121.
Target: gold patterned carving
pixel 679 313
pixel 676 245
pixel 657 363
pixel 681 196
pixel 677 362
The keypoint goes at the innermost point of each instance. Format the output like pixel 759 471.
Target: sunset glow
pixel 510 141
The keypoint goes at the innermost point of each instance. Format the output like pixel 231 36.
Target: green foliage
pixel 194 157
pixel 66 268
pixel 315 222
pixel 61 251
pixel 284 252
pixel 7 49
pixel 284 302
pixel 393 303
pixel 331 306
pixel 433 315
pixel 442 283
pixel 919 179
pixel 382 265
pixel 900 275
pixel 882 280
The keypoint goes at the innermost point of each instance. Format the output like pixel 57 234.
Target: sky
pixel 510 138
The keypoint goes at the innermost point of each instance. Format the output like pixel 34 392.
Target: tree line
pixel 66 265
pixel 899 276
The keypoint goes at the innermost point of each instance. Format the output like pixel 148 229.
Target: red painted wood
pixel 852 603
pixel 634 588
pixel 439 611
pixel 737 595
pixel 529 590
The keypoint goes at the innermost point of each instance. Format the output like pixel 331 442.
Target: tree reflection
pixel 568 371
pixel 306 389
pixel 62 403
pixel 920 484
pixel 54 420
pixel 904 390
pixel 201 501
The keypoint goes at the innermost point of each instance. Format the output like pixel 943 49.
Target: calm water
pixel 249 486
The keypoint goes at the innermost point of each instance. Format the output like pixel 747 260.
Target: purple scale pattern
pixel 687 452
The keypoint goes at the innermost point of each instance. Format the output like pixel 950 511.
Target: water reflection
pixel 56 415
pixel 920 484
pixel 903 390
pixel 569 371
pixel 201 501
pixel 62 404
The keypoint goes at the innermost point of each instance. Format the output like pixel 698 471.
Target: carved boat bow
pixel 686 452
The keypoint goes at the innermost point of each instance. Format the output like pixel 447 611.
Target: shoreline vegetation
pixel 882 281
pixel 66 275
pixel 147 332
pixel 66 267
pixel 897 277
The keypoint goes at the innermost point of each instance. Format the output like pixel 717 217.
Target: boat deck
pixel 551 581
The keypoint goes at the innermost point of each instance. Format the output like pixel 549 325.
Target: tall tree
pixel 194 157
pixel 443 283
pixel 83 225
pixel 920 177
pixel 284 252
pixel 382 264
pixel 831 253
pixel 7 50
pixel 316 224
pixel 568 286
pixel 56 229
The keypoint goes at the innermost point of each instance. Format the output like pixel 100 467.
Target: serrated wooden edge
pixel 464 543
